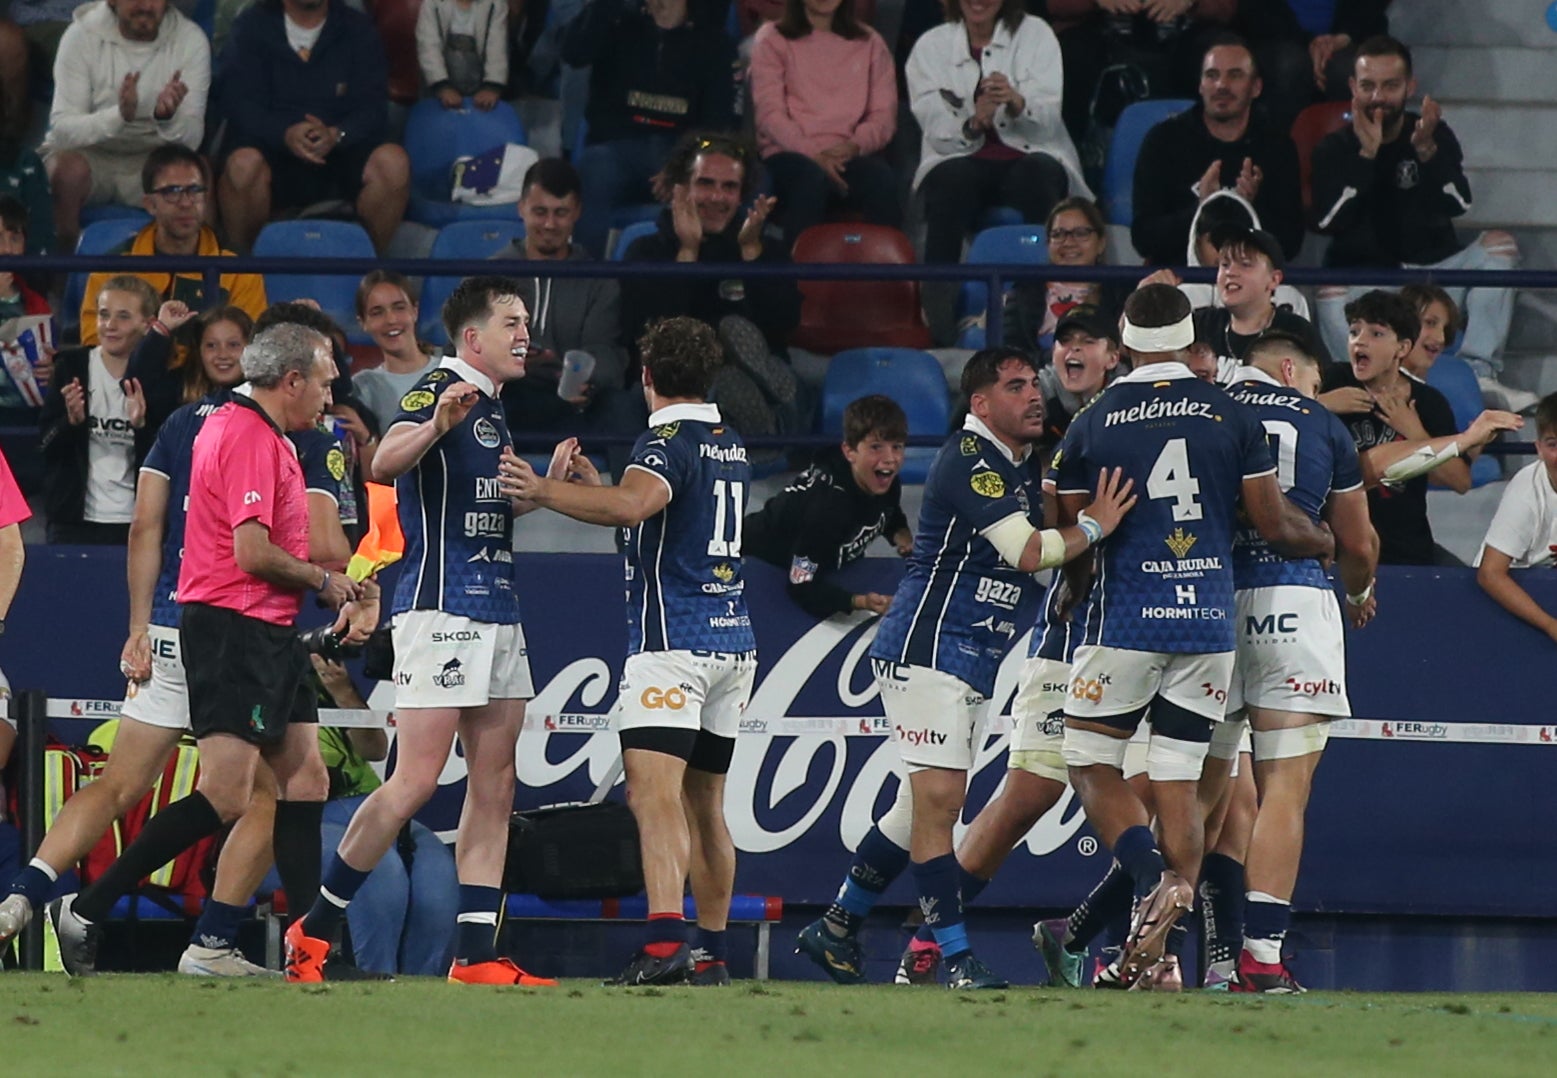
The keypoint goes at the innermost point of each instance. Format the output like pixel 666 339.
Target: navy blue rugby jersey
pixel 959 604
pixel 685 590
pixel 459 528
pixel 1055 637
pixel 1314 455
pixel 170 457
pixel 1164 580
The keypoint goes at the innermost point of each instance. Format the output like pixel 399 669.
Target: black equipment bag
pixel 574 851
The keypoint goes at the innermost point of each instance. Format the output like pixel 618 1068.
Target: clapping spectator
pixel 1076 238
pixel 388 312
pixel 130 75
pixel 825 93
pixel 93 423
pixel 655 73
pixel 1222 143
pixel 305 92
pixel 462 47
pixel 1306 50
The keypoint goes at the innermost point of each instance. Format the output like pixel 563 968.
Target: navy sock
pixel 710 947
pixel 1266 920
pixel 877 862
pixel 941 903
pixel 165 836
pixel 972 886
pixel 1136 850
pixel 666 933
pixel 35 883
pixel 1108 901
pixel 476 940
pixel 218 926
pixel 340 886
pixel 1221 906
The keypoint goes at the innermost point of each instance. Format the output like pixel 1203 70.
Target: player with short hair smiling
pixel 460 660
pixel 1158 638
pixel 968 585
pixel 691 654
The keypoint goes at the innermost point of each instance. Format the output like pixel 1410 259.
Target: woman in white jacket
pixel 462 48
pixel 985 88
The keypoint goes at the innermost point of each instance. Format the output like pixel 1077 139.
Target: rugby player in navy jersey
pixel 951 622
pixel 1290 674
pixel 1158 633
pixel 461 667
pixel 691 655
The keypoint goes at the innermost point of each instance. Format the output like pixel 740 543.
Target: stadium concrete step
pixel 1486 72
pixel 1513 136
pixel 1510 198
pixel 1473 22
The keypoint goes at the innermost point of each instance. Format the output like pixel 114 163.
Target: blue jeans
pixel 614 174
pixel 403 919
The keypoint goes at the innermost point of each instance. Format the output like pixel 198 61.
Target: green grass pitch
pixel 157 1024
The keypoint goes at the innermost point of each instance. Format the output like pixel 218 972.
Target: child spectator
pixel 1440 318
pixel 834 510
pixel 94 430
pixel 462 47
pixel 1523 534
pixel 29 363
pixel 1249 270
pixel 1076 238
pixel 825 93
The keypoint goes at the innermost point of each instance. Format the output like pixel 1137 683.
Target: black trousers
pixel 956 192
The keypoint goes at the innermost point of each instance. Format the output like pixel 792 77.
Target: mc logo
pixel 654 699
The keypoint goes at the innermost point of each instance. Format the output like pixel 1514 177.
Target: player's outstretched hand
pixel 515 477
pixel 454 404
pixel 1112 500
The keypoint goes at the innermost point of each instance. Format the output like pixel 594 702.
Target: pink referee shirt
pixel 13 507
pixel 243 469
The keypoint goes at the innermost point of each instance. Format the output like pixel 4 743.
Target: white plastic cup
pixel 577 366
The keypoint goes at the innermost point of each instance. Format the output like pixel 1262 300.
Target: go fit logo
pixel 671 699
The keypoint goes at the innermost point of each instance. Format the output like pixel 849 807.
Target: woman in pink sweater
pixel 826 101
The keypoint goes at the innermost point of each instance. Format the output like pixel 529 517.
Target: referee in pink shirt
pixel 241 585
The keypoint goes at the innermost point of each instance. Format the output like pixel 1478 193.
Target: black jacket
pixel 819 523
pixel 1274 19
pixel 770 303
pixel 1392 209
pixel 64 444
pixel 1174 155
pixel 645 80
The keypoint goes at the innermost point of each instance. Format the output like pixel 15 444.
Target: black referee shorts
pixel 246 677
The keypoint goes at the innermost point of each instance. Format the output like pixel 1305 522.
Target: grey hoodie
pixel 576 312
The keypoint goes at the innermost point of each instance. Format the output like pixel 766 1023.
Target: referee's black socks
pixel 165 836
pixel 296 838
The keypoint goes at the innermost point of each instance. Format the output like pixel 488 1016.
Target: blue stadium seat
pixel 434 138
pixel 1003 244
pixel 912 378
pixel 98 238
pixel 1117 196
pixel 462 239
pixel 1453 377
pixel 336 294
pixel 996 216
pixel 624 239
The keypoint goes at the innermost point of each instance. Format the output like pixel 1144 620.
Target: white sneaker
pixel 78 938
pixel 15 915
pixel 198 961
pixel 1515 400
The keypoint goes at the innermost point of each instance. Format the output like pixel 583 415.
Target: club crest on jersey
pixel 802 570
pixel 667 431
pixel 486 433
pixel 989 484
pixel 416 400
pixel 969 446
pixel 1180 543
pixel 335 463
pixel 439 375
pixel 724 572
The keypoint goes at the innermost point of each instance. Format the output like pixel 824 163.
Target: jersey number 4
pixel 729 510
pixel 1170 478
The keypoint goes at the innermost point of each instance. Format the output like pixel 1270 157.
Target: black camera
pixel 323 642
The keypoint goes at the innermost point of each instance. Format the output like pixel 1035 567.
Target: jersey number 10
pixel 729 508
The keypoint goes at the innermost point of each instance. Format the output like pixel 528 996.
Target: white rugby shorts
pixel 163 700
pixel 686 690
pixel 445 660
pixel 1109 681
pixel 1291 652
pixel 937 719
pixel 1038 718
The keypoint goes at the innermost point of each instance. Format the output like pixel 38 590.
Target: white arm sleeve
pixel 1010 535
pixel 1422 461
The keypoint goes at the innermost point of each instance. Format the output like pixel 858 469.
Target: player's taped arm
pixel 1028 550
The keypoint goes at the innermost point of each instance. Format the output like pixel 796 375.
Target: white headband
pixel 1175 338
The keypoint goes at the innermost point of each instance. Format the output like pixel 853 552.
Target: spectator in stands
pixel 388 312
pixel 1388 188
pixel 568 314
pixel 1084 359
pixel 93 423
pixel 22 173
pixel 656 73
pixel 130 76
pixel 1226 211
pixel 182 357
pixel 1306 49
pixel 403 919
pixel 1223 142
pixel 176 187
pixel 305 95
pixel 1249 270
pixel 1076 238
pixel 825 93
pixel 28 361
pixel 1523 533
pixel 1440 322
pixel 985 88
pixel 462 48
pixel 832 512
pixel 710 177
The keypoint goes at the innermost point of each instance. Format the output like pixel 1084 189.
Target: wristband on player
pixel 1362 596
pixel 324 581
pixel 1090 528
